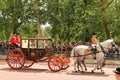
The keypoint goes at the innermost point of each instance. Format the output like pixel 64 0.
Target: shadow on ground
pixel 88 74
pixel 25 70
pixel 34 70
pixel 31 70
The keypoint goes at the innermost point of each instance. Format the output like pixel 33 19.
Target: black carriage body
pixel 35 49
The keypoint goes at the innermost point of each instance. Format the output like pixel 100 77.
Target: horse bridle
pixel 102 48
pixel 105 47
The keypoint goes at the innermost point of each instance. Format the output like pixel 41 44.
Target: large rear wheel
pixel 15 58
pixel 55 64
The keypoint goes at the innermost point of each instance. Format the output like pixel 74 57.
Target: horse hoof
pixel 82 71
pixel 98 68
pixel 76 71
pixel 92 71
pixel 85 69
pixel 103 72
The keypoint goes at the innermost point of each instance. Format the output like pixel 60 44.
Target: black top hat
pixel 117 70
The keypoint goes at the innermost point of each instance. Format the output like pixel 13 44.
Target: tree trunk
pixel 105 22
pixel 39 35
pixel 87 38
pixel 16 25
pixel 107 28
pixel 15 29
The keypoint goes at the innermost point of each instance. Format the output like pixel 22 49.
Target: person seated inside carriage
pixel 15 40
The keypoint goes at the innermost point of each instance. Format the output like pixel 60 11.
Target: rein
pixel 85 54
pixel 81 55
pixel 103 49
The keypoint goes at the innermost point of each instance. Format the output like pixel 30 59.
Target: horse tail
pixel 73 52
pixel 72 58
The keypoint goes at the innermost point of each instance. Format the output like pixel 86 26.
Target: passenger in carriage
pixel 18 38
pixel 94 43
pixel 15 40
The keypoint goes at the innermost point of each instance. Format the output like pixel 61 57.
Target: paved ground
pixel 40 71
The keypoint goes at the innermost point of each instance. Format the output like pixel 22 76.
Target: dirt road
pixel 40 71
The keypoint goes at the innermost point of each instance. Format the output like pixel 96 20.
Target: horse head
pixel 107 42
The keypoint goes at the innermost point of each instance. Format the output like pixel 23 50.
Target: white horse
pixel 79 55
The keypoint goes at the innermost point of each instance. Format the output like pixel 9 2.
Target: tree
pixel 104 5
pixel 70 20
pixel 14 13
pixel 47 32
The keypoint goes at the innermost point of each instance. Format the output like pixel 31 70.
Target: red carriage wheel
pixel 66 62
pixel 28 63
pixel 55 64
pixel 15 58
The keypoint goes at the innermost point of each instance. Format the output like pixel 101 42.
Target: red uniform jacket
pixel 14 40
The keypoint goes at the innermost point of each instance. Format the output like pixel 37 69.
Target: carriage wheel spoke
pixel 28 63
pixel 66 62
pixel 15 59
pixel 55 64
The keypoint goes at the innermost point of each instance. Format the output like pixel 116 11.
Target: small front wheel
pixel 55 64
pixel 66 62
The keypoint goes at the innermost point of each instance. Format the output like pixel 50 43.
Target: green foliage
pixel 28 30
pixel 21 16
pixel 47 32
pixel 70 20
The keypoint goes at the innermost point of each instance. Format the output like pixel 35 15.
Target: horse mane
pixel 105 43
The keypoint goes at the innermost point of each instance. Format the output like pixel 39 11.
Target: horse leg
pixel 83 62
pixel 81 67
pixel 75 63
pixel 102 71
pixel 95 67
pixel 102 65
pixel 99 66
pixel 78 63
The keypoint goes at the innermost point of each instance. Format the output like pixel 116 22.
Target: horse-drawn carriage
pixel 33 50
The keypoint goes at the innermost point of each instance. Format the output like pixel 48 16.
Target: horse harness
pixel 92 52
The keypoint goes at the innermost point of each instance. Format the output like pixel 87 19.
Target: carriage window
pixel 40 44
pixel 47 44
pixel 32 43
pixel 24 43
